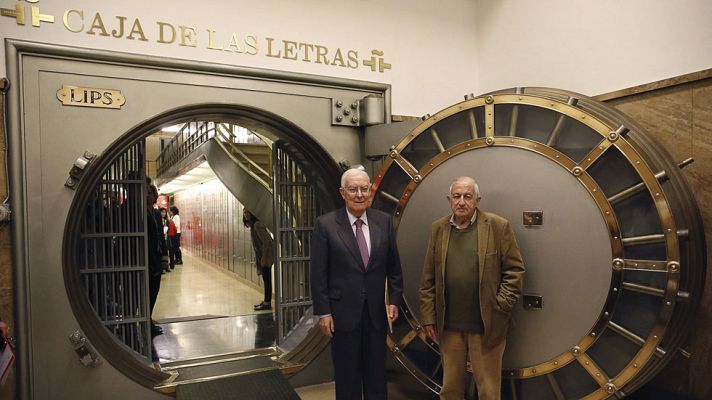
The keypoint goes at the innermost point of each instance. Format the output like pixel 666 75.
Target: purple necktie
pixel 361 240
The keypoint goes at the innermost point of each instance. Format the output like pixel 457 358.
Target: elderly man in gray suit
pixel 353 252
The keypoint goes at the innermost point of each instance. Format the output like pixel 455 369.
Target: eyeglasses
pixel 355 189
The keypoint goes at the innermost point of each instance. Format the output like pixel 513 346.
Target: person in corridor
pixel 176 254
pixel 263 244
pixel 166 223
pixel 157 251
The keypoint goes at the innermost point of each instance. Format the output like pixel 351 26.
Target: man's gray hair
pixel 352 173
pixel 468 180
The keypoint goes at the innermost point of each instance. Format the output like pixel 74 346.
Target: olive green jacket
pixel 501 275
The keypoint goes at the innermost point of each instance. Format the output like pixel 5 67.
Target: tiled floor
pixel 317 392
pixel 401 386
pixel 197 289
pixel 209 337
pixel 205 311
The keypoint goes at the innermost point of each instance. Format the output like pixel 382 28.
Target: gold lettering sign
pixel 90 97
pixel 240 44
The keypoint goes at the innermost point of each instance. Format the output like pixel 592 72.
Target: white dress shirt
pixel 176 222
pixel 472 220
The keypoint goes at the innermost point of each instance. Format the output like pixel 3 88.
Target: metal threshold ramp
pixel 252 374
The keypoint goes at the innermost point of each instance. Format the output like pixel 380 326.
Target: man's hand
pixel 392 312
pixel 326 325
pixel 431 332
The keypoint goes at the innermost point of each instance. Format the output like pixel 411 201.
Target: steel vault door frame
pixel 260 88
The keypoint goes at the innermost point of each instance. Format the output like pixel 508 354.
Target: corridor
pixel 205 311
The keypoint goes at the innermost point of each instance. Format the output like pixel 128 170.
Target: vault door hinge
pixel 370 110
pixel 78 168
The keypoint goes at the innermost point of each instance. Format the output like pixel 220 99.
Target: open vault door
pixel 609 230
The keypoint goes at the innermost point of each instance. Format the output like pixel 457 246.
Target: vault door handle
pixel 87 355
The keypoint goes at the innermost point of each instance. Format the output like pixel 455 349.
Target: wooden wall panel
pixel 680 117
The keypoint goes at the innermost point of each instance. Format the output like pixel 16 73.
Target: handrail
pixel 192 135
pixel 184 143
pixel 224 135
pixel 240 163
pixel 229 128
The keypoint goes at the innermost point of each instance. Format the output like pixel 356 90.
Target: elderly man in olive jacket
pixel 472 277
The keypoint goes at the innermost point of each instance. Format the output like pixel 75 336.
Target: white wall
pixel 591 47
pixel 439 50
pixel 423 43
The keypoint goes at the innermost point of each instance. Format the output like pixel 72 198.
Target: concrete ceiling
pixel 196 176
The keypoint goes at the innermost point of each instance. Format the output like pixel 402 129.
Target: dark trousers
pixel 267 280
pixel 175 253
pixel 154 285
pixel 360 361
pixel 171 256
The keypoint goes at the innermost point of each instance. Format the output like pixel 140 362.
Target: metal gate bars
pixel 111 250
pixel 295 210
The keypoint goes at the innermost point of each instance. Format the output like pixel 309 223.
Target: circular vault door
pixel 605 222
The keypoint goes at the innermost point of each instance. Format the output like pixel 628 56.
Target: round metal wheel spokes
pixel 608 228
